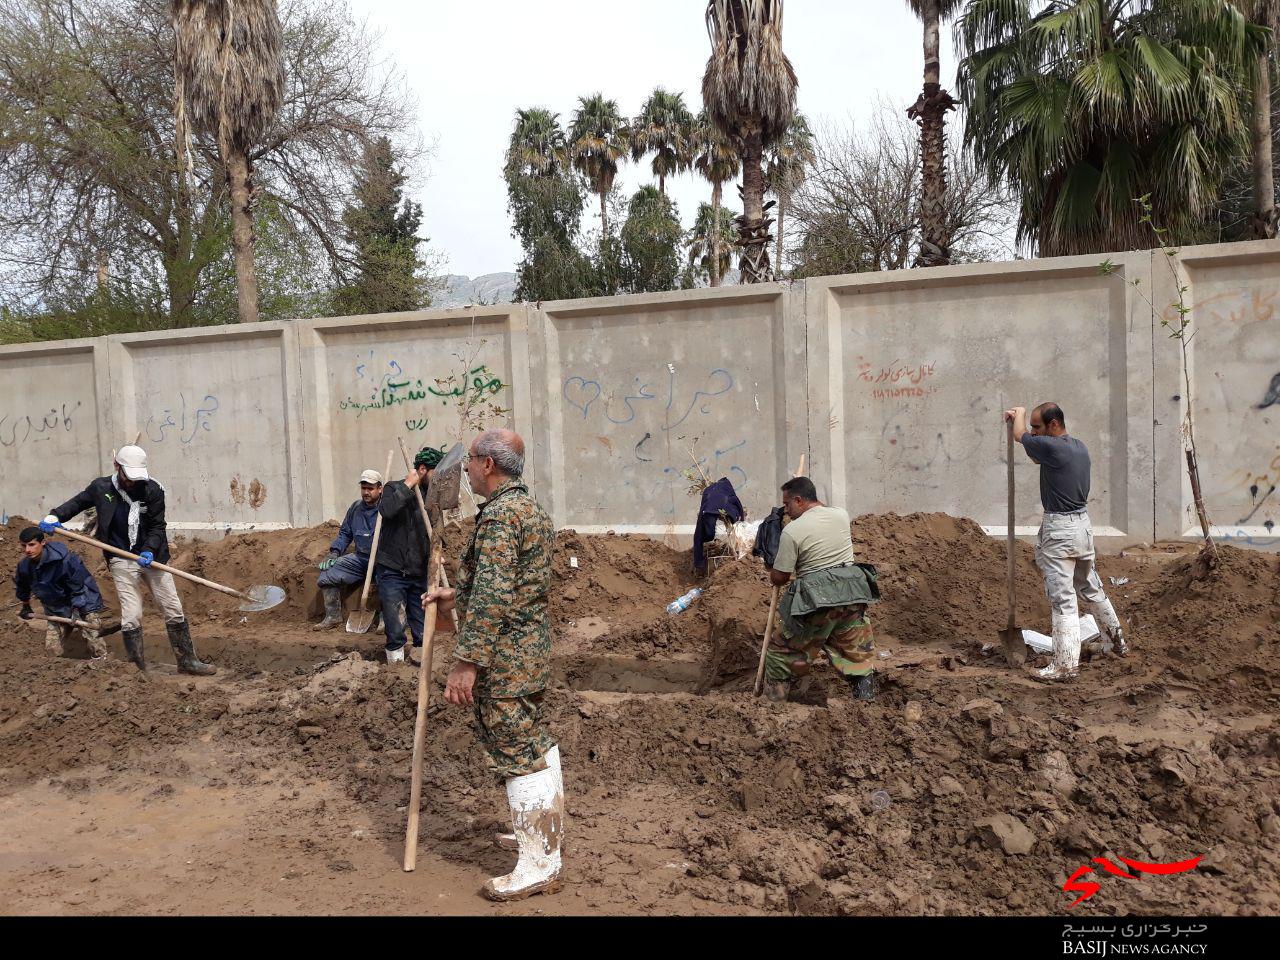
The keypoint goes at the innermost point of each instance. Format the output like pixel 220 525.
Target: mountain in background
pixel 488 288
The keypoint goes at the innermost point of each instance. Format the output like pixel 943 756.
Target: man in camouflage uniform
pixel 503 656
pixel 825 607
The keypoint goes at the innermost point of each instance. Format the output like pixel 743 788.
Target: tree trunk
pixel 753 228
pixel 782 213
pixel 242 234
pixel 716 189
pixel 930 112
pixel 604 218
pixel 662 184
pixel 1264 187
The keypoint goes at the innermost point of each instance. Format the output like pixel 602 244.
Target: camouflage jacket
pixel 503 587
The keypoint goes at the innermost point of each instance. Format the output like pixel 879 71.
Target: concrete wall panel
pixel 49 425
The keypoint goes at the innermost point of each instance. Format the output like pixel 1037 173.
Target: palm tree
pixel 1265 14
pixel 1082 107
pixel 749 92
pixel 716 159
pixel 711 242
pixel 665 129
pixel 930 112
pixel 227 60
pixel 598 140
pixel 538 146
pixel 789 161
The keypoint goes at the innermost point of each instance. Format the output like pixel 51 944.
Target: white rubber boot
pixel 507 841
pixel 1066 650
pixel 1109 624
pixel 395 656
pixel 537 813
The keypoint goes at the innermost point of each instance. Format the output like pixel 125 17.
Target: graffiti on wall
pixel 388 385
pixel 18 429
pixel 185 420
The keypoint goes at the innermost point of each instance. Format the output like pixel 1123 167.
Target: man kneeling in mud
pixel 825 606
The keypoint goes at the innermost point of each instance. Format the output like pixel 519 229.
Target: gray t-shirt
pixel 1064 471
pixel 817 539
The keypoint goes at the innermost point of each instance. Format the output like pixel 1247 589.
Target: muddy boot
pixel 507 841
pixel 185 650
pixel 133 646
pixel 332 609
pixel 1066 651
pixel 537 813
pixel 863 686
pixel 1109 624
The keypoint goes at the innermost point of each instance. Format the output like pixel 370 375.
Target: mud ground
pixel 280 785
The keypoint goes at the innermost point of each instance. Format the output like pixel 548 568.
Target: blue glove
pixel 49 524
pixel 145 558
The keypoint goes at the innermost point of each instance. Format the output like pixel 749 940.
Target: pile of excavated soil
pixel 966 787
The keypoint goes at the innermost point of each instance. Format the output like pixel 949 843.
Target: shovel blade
pixel 1015 650
pixel 263 597
pixel 359 621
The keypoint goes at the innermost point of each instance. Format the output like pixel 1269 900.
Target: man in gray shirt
pixel 1065 551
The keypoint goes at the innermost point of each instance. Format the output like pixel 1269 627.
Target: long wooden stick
pixel 82 624
pixel 773 608
pixel 156 564
pixel 377 535
pixel 435 567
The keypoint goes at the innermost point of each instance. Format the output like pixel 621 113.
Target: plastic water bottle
pixel 682 603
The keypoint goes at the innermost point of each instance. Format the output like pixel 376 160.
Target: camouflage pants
pixel 57 634
pixel 843 633
pixel 513 734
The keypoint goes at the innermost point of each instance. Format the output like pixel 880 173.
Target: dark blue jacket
pixel 60 580
pixel 357 528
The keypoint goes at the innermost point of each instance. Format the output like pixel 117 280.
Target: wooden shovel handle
pixel 420 722
pixel 377 535
pixel 1012 536
pixel 768 635
pixel 156 564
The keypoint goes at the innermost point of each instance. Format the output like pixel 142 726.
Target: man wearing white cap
pixel 130 512
pixel 341 569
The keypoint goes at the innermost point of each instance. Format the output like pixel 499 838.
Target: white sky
pixel 472 64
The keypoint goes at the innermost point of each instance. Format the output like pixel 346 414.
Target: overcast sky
pixel 472 64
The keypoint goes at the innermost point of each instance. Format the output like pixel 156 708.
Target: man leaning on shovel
pixel 1065 551
pixel 65 588
pixel 130 512
pixel 341 569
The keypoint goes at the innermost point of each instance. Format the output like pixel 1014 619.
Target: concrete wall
pixel 891 385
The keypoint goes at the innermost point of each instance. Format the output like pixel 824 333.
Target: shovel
pixel 259 597
pixel 104 632
pixel 445 482
pixel 360 619
pixel 1015 651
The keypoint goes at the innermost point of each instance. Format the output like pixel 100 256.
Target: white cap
pixel 134 461
pixel 371 476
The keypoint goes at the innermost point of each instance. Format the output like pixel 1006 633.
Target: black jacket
pixel 403 545
pixel 102 495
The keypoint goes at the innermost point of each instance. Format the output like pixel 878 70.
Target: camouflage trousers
pixel 57 634
pixel 513 734
pixel 844 634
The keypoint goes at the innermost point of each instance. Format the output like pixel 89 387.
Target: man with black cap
pixel 341 569
pixel 401 565
pixel 130 512
pixel 65 588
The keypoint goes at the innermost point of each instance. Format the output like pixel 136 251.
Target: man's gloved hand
pixel 328 561
pixel 50 523
pixel 145 558
pixel 25 613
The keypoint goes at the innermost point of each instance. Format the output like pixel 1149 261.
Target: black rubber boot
pixel 133 646
pixel 332 609
pixel 864 687
pixel 185 650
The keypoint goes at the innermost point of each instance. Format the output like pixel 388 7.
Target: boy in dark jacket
pixel 64 587
pixel 130 509
pixel 402 555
